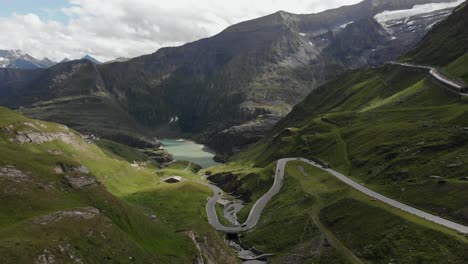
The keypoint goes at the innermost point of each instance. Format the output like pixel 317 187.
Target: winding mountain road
pixel 434 72
pixel 258 207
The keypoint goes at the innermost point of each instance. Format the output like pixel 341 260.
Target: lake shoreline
pixel 189 150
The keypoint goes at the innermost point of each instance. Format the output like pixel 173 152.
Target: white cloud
pixel 108 29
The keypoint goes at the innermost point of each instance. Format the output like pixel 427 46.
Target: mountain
pixel 65 60
pixel 71 198
pixel 67 88
pixel 220 87
pixel 120 59
pixel 394 129
pixel 46 62
pixel 21 60
pixel 393 101
pixel 435 49
pixel 91 59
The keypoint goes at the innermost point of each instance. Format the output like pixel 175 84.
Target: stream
pixel 231 208
pixel 188 150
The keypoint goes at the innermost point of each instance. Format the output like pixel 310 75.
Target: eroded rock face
pixel 209 253
pixel 161 156
pixel 24 137
pixel 17 182
pixel 12 173
pixel 46 258
pixel 82 169
pixel 80 181
pixel 77 176
pixel 71 253
pixel 234 139
pixel 66 168
pixel 85 213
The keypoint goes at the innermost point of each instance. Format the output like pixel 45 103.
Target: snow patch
pixel 345 25
pixel 174 120
pixel 310 43
pixel 416 10
pixel 4 62
pixel 302 34
pixel 432 25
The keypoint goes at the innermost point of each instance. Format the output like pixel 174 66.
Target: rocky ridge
pixel 260 67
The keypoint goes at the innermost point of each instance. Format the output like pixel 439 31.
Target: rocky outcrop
pixel 46 258
pixel 24 137
pixel 209 252
pixel 80 181
pixel 11 173
pixel 76 176
pixel 236 138
pixel 85 213
pixel 15 181
pixel 66 168
pixel 161 156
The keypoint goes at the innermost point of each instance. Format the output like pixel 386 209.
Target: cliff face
pixel 260 67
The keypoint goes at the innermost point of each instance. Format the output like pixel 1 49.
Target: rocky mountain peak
pixel 19 59
pixel 90 58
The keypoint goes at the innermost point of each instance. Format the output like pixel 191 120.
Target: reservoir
pixel 190 151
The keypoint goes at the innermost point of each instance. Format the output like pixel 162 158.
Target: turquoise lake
pixel 190 151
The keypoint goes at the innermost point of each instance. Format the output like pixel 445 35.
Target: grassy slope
pixel 388 128
pixel 120 151
pixel 392 143
pixel 458 68
pixel 318 219
pixel 123 232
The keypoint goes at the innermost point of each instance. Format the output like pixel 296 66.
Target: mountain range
pixel 17 59
pixel 226 90
pixel 395 129
pixel 21 60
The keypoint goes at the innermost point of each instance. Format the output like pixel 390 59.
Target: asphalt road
pixel 434 72
pixel 255 211
pixel 258 207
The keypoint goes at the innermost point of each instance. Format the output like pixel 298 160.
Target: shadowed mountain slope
pixel 260 67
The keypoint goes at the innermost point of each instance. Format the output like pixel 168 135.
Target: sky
pixel 108 29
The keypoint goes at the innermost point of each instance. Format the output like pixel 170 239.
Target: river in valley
pixel 190 151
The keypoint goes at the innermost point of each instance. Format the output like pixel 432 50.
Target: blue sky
pixel 46 10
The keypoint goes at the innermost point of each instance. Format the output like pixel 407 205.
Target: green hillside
pixel 393 130
pixel 67 198
pixel 390 129
pixel 71 202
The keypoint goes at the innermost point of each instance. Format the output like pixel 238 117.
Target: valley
pixel 255 72
pixel 333 137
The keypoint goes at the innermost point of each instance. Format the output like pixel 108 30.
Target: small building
pixel 173 179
